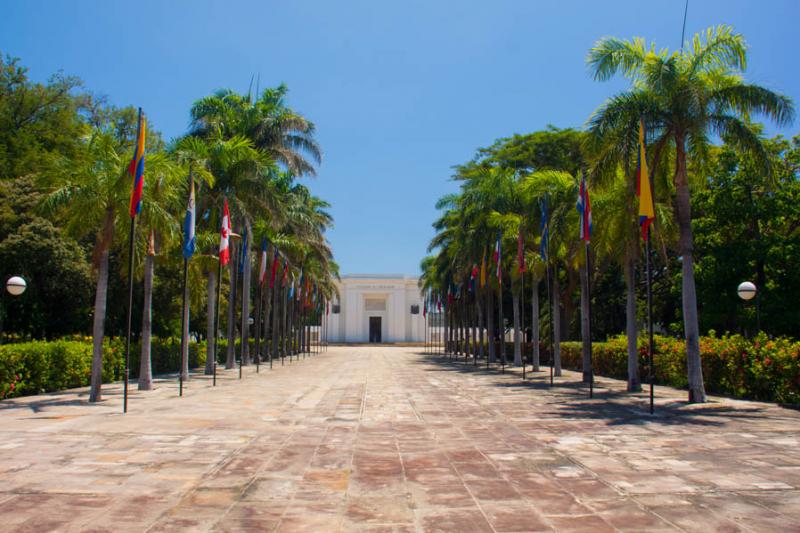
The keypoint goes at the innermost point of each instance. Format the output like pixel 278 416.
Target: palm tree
pixel 273 130
pixel 158 221
pixel 90 194
pixel 688 96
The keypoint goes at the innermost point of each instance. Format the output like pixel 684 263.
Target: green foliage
pixel 39 122
pixel 760 369
pixel 45 366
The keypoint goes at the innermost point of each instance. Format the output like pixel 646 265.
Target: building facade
pixel 377 308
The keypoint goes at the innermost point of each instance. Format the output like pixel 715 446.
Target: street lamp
pixel 747 291
pixel 16 285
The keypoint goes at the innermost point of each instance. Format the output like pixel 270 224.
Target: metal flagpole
pixel 184 310
pixel 130 305
pixel 522 305
pixel 501 326
pixel 216 322
pixel 552 321
pixel 650 344
pixel 259 308
pixel 131 251
pixel 589 316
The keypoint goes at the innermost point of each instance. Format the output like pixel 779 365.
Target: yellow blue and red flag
pixel 136 167
pixel 646 209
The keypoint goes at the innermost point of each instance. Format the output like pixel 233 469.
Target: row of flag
pixel 583 206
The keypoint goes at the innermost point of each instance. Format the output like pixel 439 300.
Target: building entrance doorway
pixel 374 329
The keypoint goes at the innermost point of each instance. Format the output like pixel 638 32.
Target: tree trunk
pixel 211 310
pixel 145 366
pixel 501 323
pixel 634 381
pixel 98 327
pixel 535 325
pixel 246 275
pixel 257 322
pixel 479 311
pixel 586 334
pixel 490 324
pixel 556 325
pixel 185 333
pixel 230 360
pixel 277 332
pixel 697 392
pixel 517 340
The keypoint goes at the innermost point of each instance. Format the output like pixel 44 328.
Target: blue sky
pixel 399 91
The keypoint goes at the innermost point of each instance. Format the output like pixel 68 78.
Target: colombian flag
pixel 136 167
pixel 646 211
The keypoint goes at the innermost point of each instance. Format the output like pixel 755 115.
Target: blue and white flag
pixel 189 238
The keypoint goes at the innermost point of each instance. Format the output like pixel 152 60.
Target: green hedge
pixel 759 369
pixel 44 366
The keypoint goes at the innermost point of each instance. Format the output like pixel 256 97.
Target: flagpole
pixel 259 307
pixel 184 313
pixel 130 306
pixel 216 322
pixel 550 320
pixel 649 320
pixel 589 316
pixel 522 333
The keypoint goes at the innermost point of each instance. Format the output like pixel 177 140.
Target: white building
pixel 377 308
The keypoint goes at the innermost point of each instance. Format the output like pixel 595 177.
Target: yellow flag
pixel 646 211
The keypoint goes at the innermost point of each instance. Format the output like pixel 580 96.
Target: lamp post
pixel 747 291
pixel 15 285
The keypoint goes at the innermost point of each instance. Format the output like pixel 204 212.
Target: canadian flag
pixel 225 235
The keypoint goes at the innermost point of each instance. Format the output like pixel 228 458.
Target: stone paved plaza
pixel 389 439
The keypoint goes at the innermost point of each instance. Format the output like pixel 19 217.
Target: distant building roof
pixel 380 276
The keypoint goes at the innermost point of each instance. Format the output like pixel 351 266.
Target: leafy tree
pixel 688 95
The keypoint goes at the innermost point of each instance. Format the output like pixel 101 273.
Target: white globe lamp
pixel 747 290
pixel 16 285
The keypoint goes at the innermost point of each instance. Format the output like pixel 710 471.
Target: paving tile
pixel 386 439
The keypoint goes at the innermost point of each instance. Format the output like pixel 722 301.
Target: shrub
pixel 760 369
pixel 45 366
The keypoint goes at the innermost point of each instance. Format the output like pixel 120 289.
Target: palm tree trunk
pixel 472 314
pixel 697 392
pixel 634 381
pixel 211 312
pixel 277 331
pixel 145 366
pixel 556 325
pixel 98 327
pixel 490 323
pixel 259 307
pixel 230 360
pixel 479 311
pixel 517 339
pixel 535 325
pixel 246 275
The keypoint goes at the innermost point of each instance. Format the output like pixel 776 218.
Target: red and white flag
pixel 225 235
